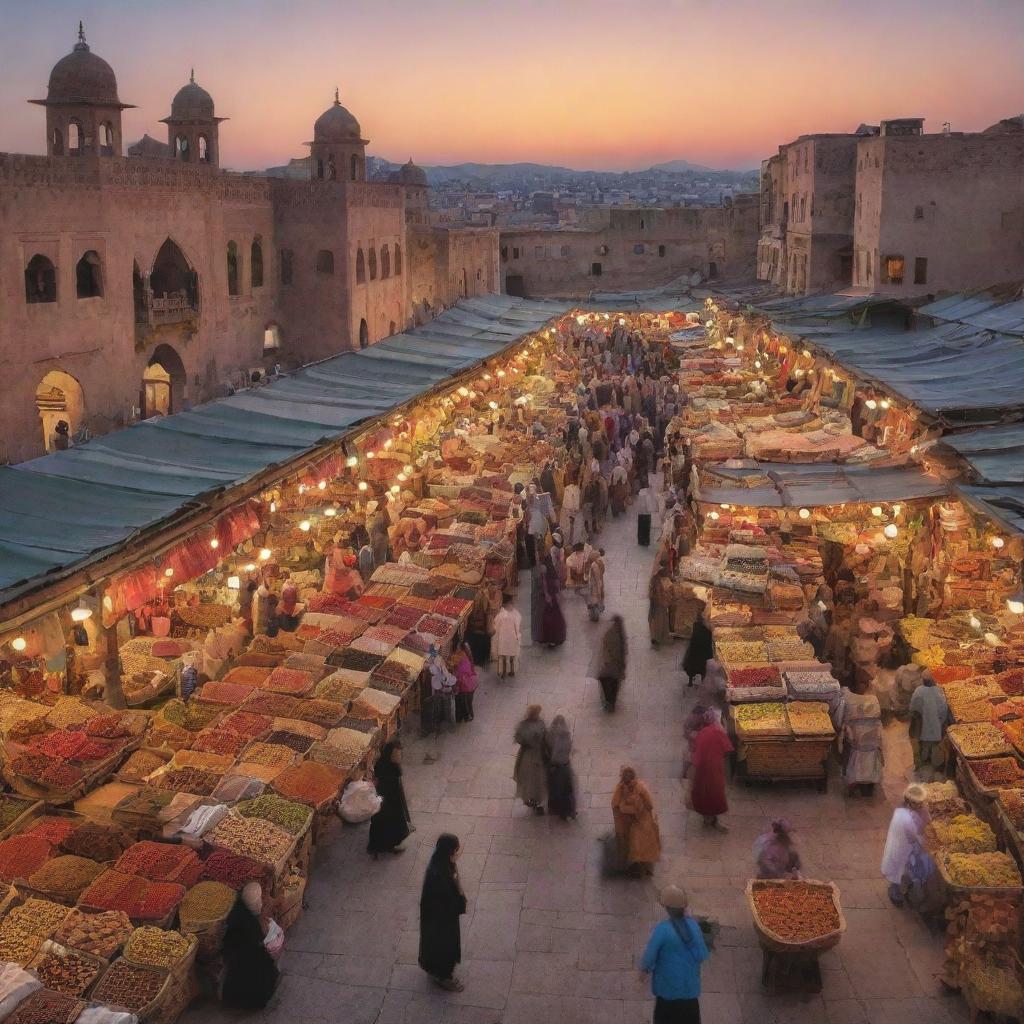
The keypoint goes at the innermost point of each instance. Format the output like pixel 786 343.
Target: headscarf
pixel 560 740
pixel 713 717
pixel 252 897
pixel 441 858
pixel 384 764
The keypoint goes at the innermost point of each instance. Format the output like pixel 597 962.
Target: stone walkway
pixel 547 938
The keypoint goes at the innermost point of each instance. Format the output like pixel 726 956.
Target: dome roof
pixel 83 78
pixel 410 174
pixel 336 124
pixel 192 103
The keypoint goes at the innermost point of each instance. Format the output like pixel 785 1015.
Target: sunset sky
pixel 601 84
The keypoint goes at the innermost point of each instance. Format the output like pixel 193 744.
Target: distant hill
pixel 678 166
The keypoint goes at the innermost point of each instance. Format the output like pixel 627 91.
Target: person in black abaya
pixel 250 974
pixel 699 649
pixel 389 827
pixel 442 903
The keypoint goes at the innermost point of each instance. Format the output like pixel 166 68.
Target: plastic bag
pixel 359 802
pixel 274 939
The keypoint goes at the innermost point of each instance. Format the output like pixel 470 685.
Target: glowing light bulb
pixel 273 507
pixel 807 353
pixel 371 455
pixel 871 403
pixel 896 509
pixel 885 403
pixel 407 469
pixel 804 513
pixel 724 504
pixel 713 515
pixel 302 488
pixel 251 567
pixel 487 376
pixel 998 542
pixel 363 485
pixel 877 512
pixel 739 348
pixel 891 531
pixel 388 443
pixel 500 373
pixel 730 341
pixel 19 643
pixel 464 392
pixel 305 525
pixel 351 462
pixel 401 478
pixel 322 486
pixel 330 512
pixel 265 554
pixel 81 612
pixel 214 543
pixel 622 321
pixel 492 405
pixel 395 489
pixel 234 583
pixel 783 349
pixel 168 572
pixel 757 364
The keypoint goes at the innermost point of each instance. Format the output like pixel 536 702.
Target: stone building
pixel 140 284
pixel 632 249
pixel 806 213
pixel 939 212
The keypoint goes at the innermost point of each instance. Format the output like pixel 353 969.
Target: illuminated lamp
pixel 877 511
pixel 730 341
pixel 871 403
pixel 407 469
pixel 322 486
pixel 168 572
pixel 371 455
pixel 363 485
pixel 305 525
pixel 330 512
pixel 807 353
pixel 998 542
pixel 302 488
pixel 757 364
pixel 891 531
pixel 401 478
pixel 81 612
pixel 395 489
pixel 724 505
pixel 896 509
pixel 273 506
pixel 622 321
pixel 387 444
pixel 804 513
pixel 251 567
pixel 885 403
pixel 214 543
pixel 1015 602
pixel 739 348
pixel 713 515
pixel 501 373
pixel 265 554
pixel 234 583
pixel 19 643
pixel 487 376
pixel 351 462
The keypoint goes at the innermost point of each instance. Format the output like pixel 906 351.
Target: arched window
pixel 232 268
pixel 40 280
pixel 325 262
pixel 75 137
pixel 180 148
pixel 332 170
pixel 204 150
pixel 354 164
pixel 398 259
pixel 58 142
pixel 364 332
pixel 174 282
pixel 256 263
pixel 385 261
pixel 106 139
pixel 373 264
pixel 360 267
pixel 88 280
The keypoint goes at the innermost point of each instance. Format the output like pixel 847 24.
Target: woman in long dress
pixel 442 903
pixel 707 769
pixel 611 666
pixel 389 827
pixel 698 650
pixel 862 741
pixel 552 619
pixel 508 637
pixel 636 824
pixel 530 771
pixel 595 586
pixel 561 785
pixel 659 594
pixel 250 974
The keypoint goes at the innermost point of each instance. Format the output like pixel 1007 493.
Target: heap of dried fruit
pixel 990 870
pixel 963 833
pixel 997 771
pixel 12 808
pixel 65 877
pixel 205 902
pixel 292 817
pixel 1013 803
pixel 979 739
pixel 756 676
pixel 139 765
pixel 129 986
pixel 66 971
pixel 161 862
pixel 45 1006
pixel 156 947
pixel 51 827
pixel 45 771
pixel 187 780
pixel 21 856
pixel 254 838
pixel 796 911
pixel 139 898
pixel 309 783
pixel 273 755
pixel 100 934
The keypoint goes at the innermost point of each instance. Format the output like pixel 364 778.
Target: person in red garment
pixel 707 771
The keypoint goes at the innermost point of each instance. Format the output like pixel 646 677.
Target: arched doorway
pixel 163 383
pixel 364 334
pixel 59 397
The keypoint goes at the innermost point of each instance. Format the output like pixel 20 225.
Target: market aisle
pixel 546 937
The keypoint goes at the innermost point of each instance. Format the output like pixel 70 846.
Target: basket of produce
pixel 62 879
pixel 991 982
pixel 968 873
pixel 70 971
pixel 27 926
pixel 963 833
pixel 44 1006
pixel 809 718
pixel 294 818
pixel 204 914
pixel 760 719
pixel 978 739
pixel 754 683
pixel 161 948
pixel 233 869
pixel 254 838
pixel 796 915
pixel 988 775
pixel 145 902
pixel 161 862
pixel 101 935
pixel 140 990
pixel 310 783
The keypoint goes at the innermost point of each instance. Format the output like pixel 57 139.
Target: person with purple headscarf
pixel 775 852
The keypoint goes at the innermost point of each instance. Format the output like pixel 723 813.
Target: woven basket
pixel 771 941
pixel 787 758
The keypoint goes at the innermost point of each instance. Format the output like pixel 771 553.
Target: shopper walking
pixel 508 637
pixel 929 716
pixel 636 824
pixel 389 827
pixel 442 903
pixel 530 771
pixel 561 783
pixel 595 586
pixel 707 769
pixel 465 682
pixel 611 665
pixel 698 650
pixel 672 958
pixel 659 595
pixel 552 622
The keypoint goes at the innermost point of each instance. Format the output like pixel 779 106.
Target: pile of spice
pixel 247 724
pixel 309 783
pixel 100 934
pixel 989 870
pixel 22 856
pixel 45 771
pixel 205 902
pixel 274 705
pixel 796 912
pixel 129 986
pixel 219 741
pixel 1012 801
pixel 274 755
pixel 254 838
pixel 11 809
pixel 978 739
pixel 963 833
pixel 139 898
pixel 187 780
pixel 323 713
pixel 299 743
pixel 65 877
pixel 809 718
pixel 45 1006
pixel 292 817
pixel 52 827
pixel 139 765
pixel 232 869
pixel 161 862
pixel 157 947
pixel 766 719
pixel 997 771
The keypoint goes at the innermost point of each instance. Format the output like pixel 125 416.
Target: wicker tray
pixel 970 890
pixel 769 940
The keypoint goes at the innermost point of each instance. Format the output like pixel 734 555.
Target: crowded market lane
pixel 547 937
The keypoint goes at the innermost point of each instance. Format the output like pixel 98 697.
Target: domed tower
pixel 83 112
pixel 338 153
pixel 416 185
pixel 192 128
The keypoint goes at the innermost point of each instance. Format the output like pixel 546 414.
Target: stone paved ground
pixel 547 938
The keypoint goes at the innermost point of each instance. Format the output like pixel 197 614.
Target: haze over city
pixel 589 84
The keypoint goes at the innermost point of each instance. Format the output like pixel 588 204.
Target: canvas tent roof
pixel 65 509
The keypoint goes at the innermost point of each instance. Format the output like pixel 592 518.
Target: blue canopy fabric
pixel 65 509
